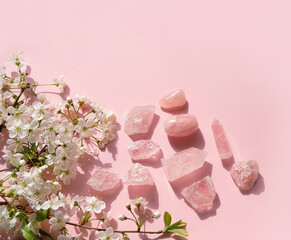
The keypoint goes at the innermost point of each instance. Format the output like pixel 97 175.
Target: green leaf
pixel 167 219
pixel 180 231
pixel 27 234
pixel 44 233
pixel 41 215
pixel 175 225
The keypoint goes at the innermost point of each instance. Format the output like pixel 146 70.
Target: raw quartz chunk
pixel 138 175
pixel 174 100
pixel 103 179
pixel 221 140
pixel 183 163
pixel 144 150
pixel 139 119
pixel 181 125
pixel 245 174
pixel 200 195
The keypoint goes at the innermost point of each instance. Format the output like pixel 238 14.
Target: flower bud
pixel 121 217
pixel 128 206
pixel 156 215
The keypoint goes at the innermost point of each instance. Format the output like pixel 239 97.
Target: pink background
pixel 232 58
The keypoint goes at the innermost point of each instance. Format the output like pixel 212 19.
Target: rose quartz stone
pixel 144 150
pixel 221 140
pixel 245 174
pixel 200 195
pixel 173 101
pixel 139 119
pixel 138 175
pixel 103 179
pixel 181 125
pixel 183 163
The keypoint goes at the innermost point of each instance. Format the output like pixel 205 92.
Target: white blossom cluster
pixel 45 142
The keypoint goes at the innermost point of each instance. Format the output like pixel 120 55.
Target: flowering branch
pixel 44 144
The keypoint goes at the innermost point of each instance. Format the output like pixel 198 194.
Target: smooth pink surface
pixel 232 59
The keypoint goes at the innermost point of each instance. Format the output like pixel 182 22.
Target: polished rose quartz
pixel 181 125
pixel 200 195
pixel 173 101
pixel 183 163
pixel 139 119
pixel 138 175
pixel 245 174
pixel 144 150
pixel 103 179
pixel 221 140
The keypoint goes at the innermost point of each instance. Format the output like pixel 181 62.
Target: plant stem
pixel 117 231
pixel 6 169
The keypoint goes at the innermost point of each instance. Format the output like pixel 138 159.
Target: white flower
pixel 12 158
pixel 63 237
pixel 60 83
pixel 140 200
pixel 33 225
pixel 41 110
pixel 54 203
pixel 85 128
pixel 94 204
pixel 121 217
pixel 58 222
pixel 156 215
pixel 17 129
pixel 106 219
pixel 108 235
pixel 17 58
pixel 20 114
pixel 76 199
pixel 6 222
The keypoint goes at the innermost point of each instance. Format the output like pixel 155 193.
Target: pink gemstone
pixel 144 150
pixel 245 174
pixel 200 194
pixel 173 101
pixel 181 125
pixel 183 163
pixel 103 179
pixel 221 140
pixel 138 175
pixel 139 119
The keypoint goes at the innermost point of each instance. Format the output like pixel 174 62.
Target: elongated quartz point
pixel 138 175
pixel 181 125
pixel 221 140
pixel 200 195
pixel 174 100
pixel 103 179
pixel 183 163
pixel 139 119
pixel 245 174
pixel 144 150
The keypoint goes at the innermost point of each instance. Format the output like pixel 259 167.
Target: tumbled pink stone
pixel 221 140
pixel 200 195
pixel 103 179
pixel 139 119
pixel 138 175
pixel 245 174
pixel 181 125
pixel 144 150
pixel 183 163
pixel 174 100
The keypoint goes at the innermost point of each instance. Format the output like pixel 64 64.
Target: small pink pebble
pixel 245 174
pixel 138 120
pixel 138 175
pixel 183 163
pixel 200 195
pixel 144 150
pixel 173 101
pixel 103 179
pixel 221 140
pixel 181 125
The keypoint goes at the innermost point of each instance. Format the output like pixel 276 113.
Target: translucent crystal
pixel 173 101
pixel 138 175
pixel 200 195
pixel 183 163
pixel 144 150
